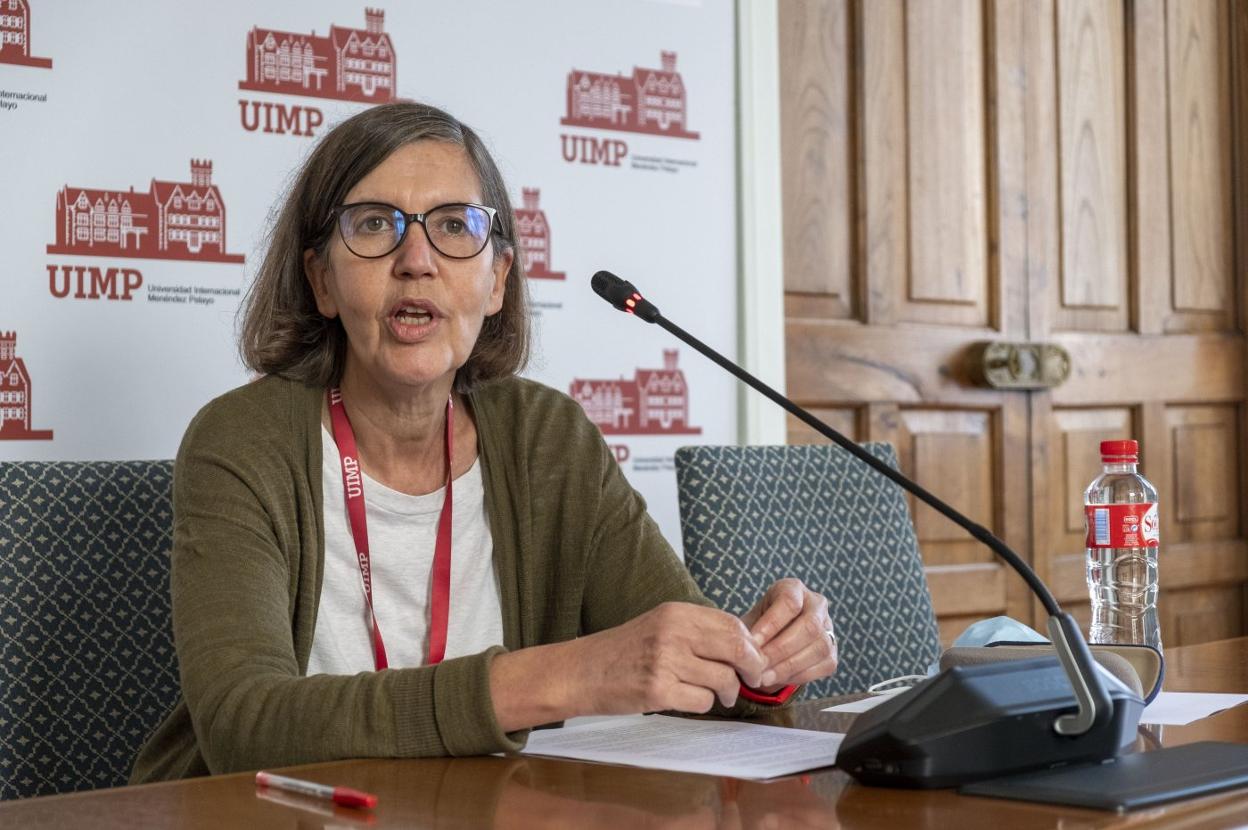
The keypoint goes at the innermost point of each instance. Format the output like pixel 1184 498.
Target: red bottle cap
pixel 1120 452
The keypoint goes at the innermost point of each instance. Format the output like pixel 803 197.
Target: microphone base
pixel 972 723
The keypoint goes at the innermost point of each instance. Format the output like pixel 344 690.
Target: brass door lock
pixel 1018 365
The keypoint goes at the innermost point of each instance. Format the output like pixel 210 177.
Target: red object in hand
pixel 762 697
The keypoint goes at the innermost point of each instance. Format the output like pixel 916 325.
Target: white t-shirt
pixel 402 532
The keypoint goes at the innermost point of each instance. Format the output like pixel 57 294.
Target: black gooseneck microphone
pixel 966 723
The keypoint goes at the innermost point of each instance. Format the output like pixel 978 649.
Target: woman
pixel 318 510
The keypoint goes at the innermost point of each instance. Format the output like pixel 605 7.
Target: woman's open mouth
pixel 413 321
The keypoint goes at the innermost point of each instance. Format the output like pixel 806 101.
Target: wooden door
pixel 958 171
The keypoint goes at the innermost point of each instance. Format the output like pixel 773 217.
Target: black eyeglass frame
pixel 335 216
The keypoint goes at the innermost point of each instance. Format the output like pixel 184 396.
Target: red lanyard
pixel 353 486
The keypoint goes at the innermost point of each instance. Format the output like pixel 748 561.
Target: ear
pixel 317 274
pixel 502 265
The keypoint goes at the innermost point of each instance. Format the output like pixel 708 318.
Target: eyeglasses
pixel 374 229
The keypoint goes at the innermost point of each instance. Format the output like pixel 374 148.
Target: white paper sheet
pixel 1182 708
pixel 860 706
pixel 741 750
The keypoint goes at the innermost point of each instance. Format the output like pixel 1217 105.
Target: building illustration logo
pixel 15 35
pixel 171 220
pixel 346 64
pixel 654 402
pixel 648 101
pixel 15 394
pixel 534 233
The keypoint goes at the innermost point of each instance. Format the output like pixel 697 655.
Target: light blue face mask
pixel 995 629
pixel 981 633
pixel 998 630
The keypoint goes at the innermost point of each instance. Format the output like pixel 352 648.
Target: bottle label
pixel 1123 525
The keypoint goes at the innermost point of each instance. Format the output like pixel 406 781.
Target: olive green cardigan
pixel 574 549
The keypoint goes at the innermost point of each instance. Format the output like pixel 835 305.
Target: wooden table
pixel 532 792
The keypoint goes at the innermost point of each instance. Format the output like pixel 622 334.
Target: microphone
pixel 966 723
pixel 623 295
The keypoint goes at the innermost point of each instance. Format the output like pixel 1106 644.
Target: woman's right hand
pixel 675 657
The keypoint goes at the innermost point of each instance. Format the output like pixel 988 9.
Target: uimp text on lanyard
pixel 353 486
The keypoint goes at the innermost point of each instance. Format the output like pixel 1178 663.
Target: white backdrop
pixel 108 97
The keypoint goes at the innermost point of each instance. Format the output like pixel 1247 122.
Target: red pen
pixel 342 796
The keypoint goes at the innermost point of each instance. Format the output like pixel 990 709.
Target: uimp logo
pixel 345 65
pixel 653 402
pixel 170 220
pixel 15 394
pixel 15 35
pixel 649 101
pixel 534 233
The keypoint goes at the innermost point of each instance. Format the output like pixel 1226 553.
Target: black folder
pixel 1140 779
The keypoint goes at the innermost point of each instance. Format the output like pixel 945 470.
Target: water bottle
pixel 1120 511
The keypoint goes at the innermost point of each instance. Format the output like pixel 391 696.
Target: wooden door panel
pixel 1175 367
pixel 846 420
pixel 1203 561
pixel 1185 566
pixel 1203 502
pixel 1148 155
pixel 963 594
pixel 816 59
pixel 924 184
pixel 1200 165
pixel 1091 131
pixel 969 456
pixel 880 169
pixel 1200 615
pixel 955 450
pixel 832 361
pixel 946 179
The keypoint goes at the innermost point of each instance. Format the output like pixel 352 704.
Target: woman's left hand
pixel 791 626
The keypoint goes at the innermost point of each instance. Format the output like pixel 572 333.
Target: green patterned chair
pixel 87 664
pixel 750 515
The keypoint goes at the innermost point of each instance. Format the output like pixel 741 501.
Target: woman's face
pixel 412 316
